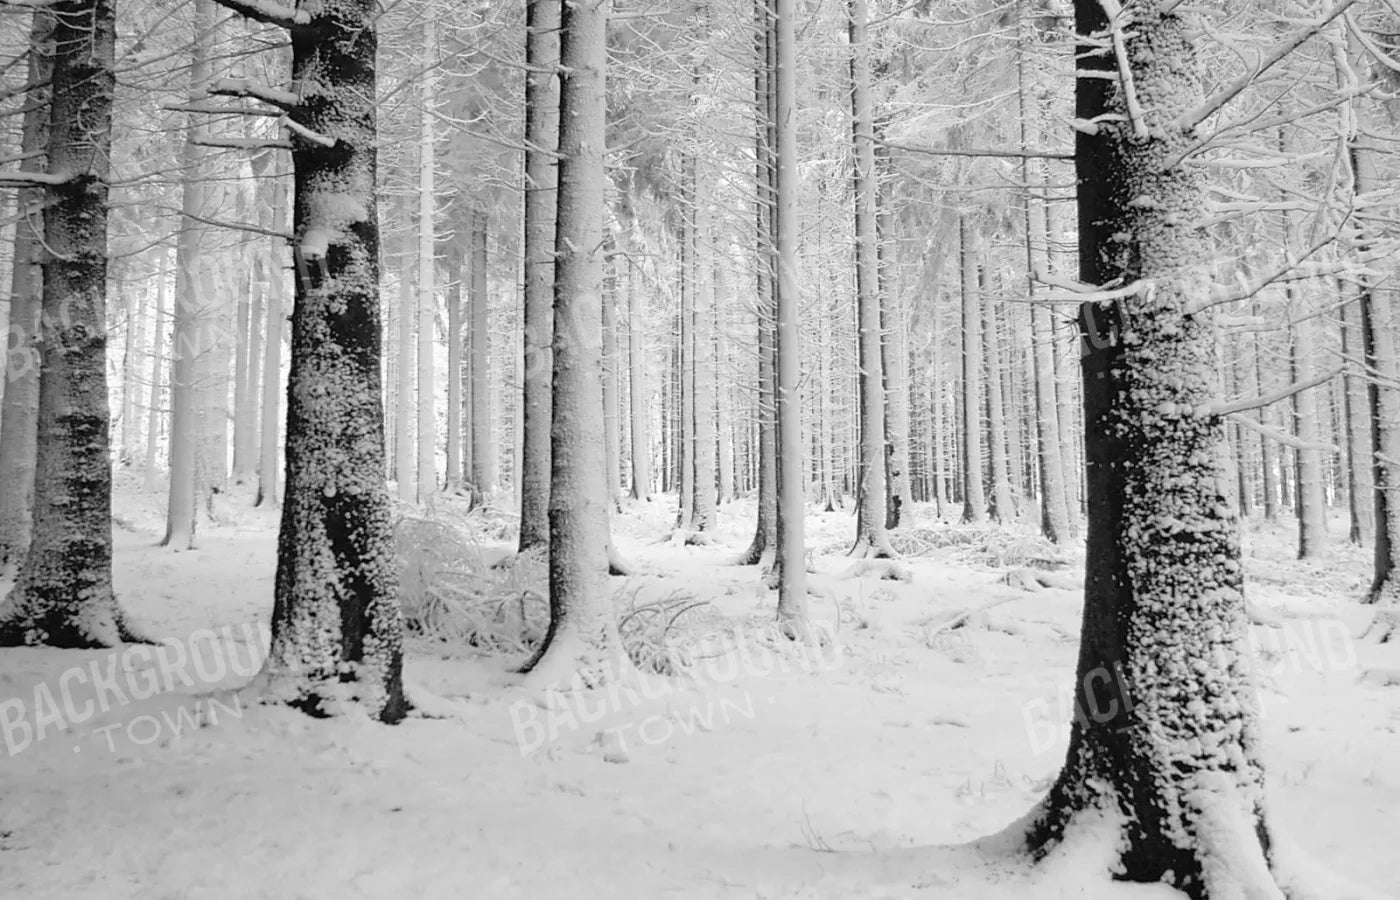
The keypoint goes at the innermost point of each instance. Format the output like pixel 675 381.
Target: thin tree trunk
pixel 723 365
pixel 612 418
pixel 765 531
pixel 1312 514
pixel 155 408
pixel 269 472
pixel 872 538
pixel 583 642
pixel 791 521
pixel 193 313
pixel 427 287
pixel 637 373
pixel 1360 490
pixel 894 352
pixel 702 345
pixel 403 408
pixel 19 406
pixel 453 440
pixel 1003 506
pixel 974 501
pixel 484 476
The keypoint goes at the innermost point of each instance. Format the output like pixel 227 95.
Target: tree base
pixel 99 628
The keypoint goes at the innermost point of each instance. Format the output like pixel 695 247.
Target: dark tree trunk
pixel 1167 739
pixel 337 632
pixel 63 594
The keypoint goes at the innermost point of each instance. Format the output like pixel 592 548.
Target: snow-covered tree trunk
pixel 541 139
pixel 484 474
pixel 403 401
pixel 269 471
pixel 790 560
pixel 1054 511
pixel 637 376
pixel 582 643
pixel 1311 506
pixel 1169 746
pixel 894 351
pixel 192 338
pixel 723 365
pixel 19 406
pixel 154 411
pixel 702 349
pixel 612 415
pixel 427 267
pixel 337 632
pixel 453 439
pixel 1003 506
pixel 872 538
pixel 1361 499
pixel 974 500
pixel 244 415
pixel 63 596
pixel 765 532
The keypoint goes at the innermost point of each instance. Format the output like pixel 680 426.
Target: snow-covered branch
pixel 244 87
pixel 1248 403
pixel 1194 117
pixel 202 109
pixel 1282 437
pixel 301 130
pixel 269 12
pixel 1125 69
pixel 29 179
pixel 243 143
pixel 1004 154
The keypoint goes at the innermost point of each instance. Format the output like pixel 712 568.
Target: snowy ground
pixel 817 776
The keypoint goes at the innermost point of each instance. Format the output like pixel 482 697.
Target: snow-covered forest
pixel 699 448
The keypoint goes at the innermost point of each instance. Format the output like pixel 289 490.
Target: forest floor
pixel 858 773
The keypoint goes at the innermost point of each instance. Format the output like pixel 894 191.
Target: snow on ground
pixel 862 773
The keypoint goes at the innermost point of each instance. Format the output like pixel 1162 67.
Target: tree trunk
pixel 894 351
pixel 722 366
pixel 1003 506
pixel 19 405
pixel 483 436
pixel 702 359
pixel 453 440
pixel 244 416
pixel 403 408
pixel 427 286
pixel 765 537
pixel 582 643
pixel 612 417
pixel 1171 748
pixel 63 593
pixel 337 632
pixel 974 501
pixel 1360 491
pixel 193 320
pixel 1311 509
pixel 155 411
pixel 790 560
pixel 541 137
pixel 872 538
pixel 637 373
pixel 269 491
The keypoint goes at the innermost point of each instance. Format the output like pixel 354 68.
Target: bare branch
pixel 1004 154
pixel 29 179
pixel 301 130
pixel 221 110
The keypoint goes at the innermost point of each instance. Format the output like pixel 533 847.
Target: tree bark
pixel 1003 506
pixel 974 500
pixel 541 137
pixel 582 644
pixel 19 405
pixel 155 411
pixel 612 416
pixel 1360 490
pixel 637 374
pixel 63 593
pixel 702 358
pixel 1169 745
pixel 337 632
pixel 427 286
pixel 790 560
pixel 453 439
pixel 872 539
pixel 484 475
